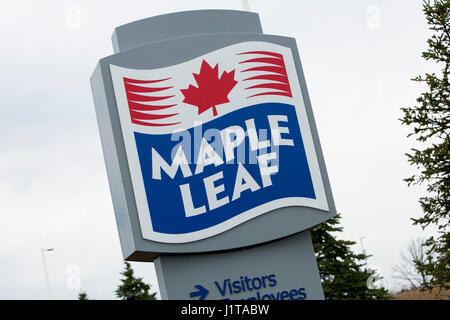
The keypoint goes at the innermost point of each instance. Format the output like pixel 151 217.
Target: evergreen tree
pixel 83 296
pixel 133 288
pixel 343 272
pixel 430 124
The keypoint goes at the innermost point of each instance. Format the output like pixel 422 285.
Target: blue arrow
pixel 202 292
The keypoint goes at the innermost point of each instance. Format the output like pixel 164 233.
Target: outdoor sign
pixel 216 141
pixel 208 135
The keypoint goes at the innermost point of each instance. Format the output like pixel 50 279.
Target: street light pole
pixel 46 272
pixel 245 5
pixel 362 247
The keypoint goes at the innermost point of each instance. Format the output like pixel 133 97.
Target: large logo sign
pixel 216 141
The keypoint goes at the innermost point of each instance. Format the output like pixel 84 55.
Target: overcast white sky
pixel 358 57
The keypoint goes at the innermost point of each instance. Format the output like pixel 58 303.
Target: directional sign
pixel 263 287
pixel 290 274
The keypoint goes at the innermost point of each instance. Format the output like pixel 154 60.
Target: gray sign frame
pixel 143 48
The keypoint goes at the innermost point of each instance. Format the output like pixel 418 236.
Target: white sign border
pixel 321 203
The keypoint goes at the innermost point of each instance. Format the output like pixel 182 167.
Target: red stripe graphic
pixel 266 53
pixel 138 93
pixel 128 80
pixel 154 124
pixel 147 116
pixel 274 61
pixel 147 107
pixel 277 70
pixel 274 85
pixel 139 97
pixel 134 88
pixel 273 93
pixel 273 77
pixel 273 65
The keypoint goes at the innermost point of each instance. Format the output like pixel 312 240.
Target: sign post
pixel 213 157
pixel 281 270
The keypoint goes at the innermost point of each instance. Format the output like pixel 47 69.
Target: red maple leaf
pixel 211 90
